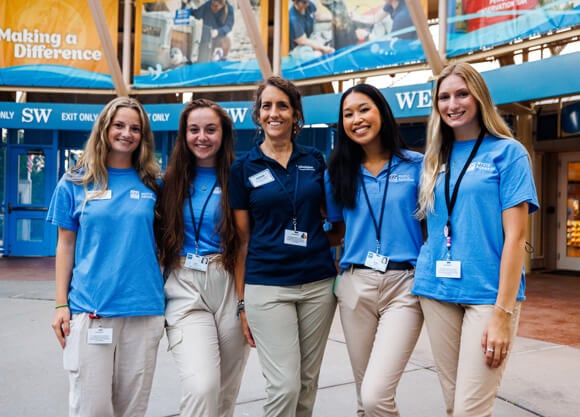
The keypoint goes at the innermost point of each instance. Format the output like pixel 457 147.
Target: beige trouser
pixel 205 338
pixel 113 379
pixel 290 326
pixel 382 321
pixel 455 332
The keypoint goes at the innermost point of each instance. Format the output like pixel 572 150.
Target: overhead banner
pixel 194 43
pixel 54 43
pixel 480 24
pixel 327 37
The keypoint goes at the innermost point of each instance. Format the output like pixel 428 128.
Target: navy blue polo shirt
pixel 270 202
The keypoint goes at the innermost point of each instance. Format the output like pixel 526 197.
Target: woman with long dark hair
pixel 372 187
pixel 197 245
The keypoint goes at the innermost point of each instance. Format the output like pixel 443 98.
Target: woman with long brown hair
pixel 197 242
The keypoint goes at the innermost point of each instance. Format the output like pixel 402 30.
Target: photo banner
pixel 54 43
pixel 328 37
pixel 183 43
pixel 480 24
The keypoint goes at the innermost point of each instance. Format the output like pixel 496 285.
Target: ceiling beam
pixel 422 28
pixel 254 33
pixel 109 50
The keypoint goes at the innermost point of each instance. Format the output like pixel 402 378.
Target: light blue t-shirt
pixel 209 240
pixel 401 236
pixel 116 273
pixel 498 178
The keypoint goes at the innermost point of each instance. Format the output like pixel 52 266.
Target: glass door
pixel 569 212
pixel 30 182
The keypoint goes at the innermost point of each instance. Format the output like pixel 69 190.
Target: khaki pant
pixel 113 379
pixel 205 338
pixel 290 326
pixel 455 332
pixel 381 321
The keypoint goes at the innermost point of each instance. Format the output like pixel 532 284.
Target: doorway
pixel 569 212
pixel 30 182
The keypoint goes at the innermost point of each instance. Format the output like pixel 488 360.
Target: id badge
pixel 295 238
pixel 376 261
pixel 100 336
pixel 448 269
pixel 199 263
pixel 261 178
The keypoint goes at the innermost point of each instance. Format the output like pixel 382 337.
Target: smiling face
pixel 124 133
pixel 362 121
pixel 458 107
pixel 276 116
pixel 204 135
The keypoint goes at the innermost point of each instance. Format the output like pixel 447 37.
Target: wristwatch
pixel 241 306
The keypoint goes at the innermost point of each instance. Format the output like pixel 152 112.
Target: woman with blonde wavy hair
pixel 109 288
pixel 476 192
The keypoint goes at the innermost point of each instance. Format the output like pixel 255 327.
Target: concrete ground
pixel 541 379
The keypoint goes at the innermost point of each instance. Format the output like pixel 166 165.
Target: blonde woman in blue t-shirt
pixel 109 288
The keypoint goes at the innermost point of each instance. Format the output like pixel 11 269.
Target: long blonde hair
pixel 440 136
pixel 91 167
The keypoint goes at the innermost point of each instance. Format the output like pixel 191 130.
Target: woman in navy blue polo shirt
pixel 284 271
pixel 371 188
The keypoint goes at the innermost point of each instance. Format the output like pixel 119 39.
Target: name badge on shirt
pixel 448 269
pixel 376 261
pixel 199 263
pixel 100 336
pixel 261 178
pixel 295 238
pixel 100 195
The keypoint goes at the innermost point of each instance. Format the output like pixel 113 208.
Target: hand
pixel 495 342
pixel 61 324
pixel 246 330
pixel 327 49
pixel 214 33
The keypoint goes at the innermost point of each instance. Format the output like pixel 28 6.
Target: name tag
pixel 295 238
pixel 199 263
pixel 448 269
pixel 261 178
pixel 376 261
pixel 100 336
pixel 100 195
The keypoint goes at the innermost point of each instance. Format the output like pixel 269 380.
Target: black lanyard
pixel 378 225
pixel 291 197
pixel 450 202
pixel 197 227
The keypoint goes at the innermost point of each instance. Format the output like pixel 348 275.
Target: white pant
pixel 114 379
pixel 455 332
pixel 381 321
pixel 290 326
pixel 206 340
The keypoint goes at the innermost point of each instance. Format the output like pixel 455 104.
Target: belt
pixel 391 266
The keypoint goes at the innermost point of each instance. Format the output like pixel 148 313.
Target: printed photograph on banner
pixel 336 36
pixel 480 24
pixel 54 43
pixel 192 42
pixel 319 27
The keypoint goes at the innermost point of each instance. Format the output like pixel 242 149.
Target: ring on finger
pixel 490 349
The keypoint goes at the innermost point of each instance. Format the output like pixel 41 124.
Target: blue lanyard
pixel 379 225
pixel 197 227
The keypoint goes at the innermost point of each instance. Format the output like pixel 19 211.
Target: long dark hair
pixel 180 174
pixel 346 158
